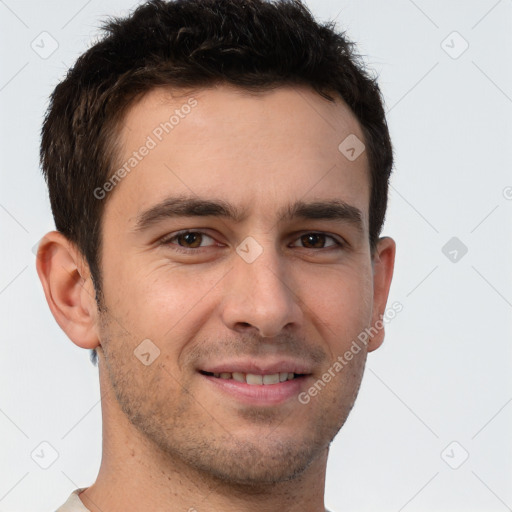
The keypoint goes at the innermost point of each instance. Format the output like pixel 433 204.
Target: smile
pixel 254 379
pixel 252 389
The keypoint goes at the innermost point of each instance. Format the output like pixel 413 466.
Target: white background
pixel 444 371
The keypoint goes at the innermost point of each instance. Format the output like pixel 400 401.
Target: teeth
pixel 240 377
pixel 253 379
pixel 271 379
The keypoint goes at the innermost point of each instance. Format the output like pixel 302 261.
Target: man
pixel 218 174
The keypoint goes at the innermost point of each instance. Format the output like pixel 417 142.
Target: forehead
pixel 262 149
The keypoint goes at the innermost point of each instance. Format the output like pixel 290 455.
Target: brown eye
pixel 313 240
pixel 317 241
pixel 191 239
pixel 188 240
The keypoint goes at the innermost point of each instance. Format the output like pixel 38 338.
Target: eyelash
pixel 167 241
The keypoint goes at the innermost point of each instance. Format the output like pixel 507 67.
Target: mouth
pixel 257 389
pixel 254 379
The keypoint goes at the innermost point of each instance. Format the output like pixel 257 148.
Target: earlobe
pixel 383 265
pixel 68 288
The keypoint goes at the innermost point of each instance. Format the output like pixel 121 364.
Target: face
pixel 246 303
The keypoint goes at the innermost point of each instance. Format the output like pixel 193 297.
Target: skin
pixel 172 440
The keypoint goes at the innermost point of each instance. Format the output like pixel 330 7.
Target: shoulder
pixel 74 503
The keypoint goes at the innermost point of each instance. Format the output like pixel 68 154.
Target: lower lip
pixel 259 394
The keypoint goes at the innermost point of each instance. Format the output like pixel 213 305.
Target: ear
pixel 68 288
pixel 383 264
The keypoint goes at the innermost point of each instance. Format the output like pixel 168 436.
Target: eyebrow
pixel 184 206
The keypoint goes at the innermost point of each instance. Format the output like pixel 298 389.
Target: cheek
pixel 163 301
pixel 341 298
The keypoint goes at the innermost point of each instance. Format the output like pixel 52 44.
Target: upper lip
pixel 258 367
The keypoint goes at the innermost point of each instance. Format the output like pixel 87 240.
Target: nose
pixel 260 296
